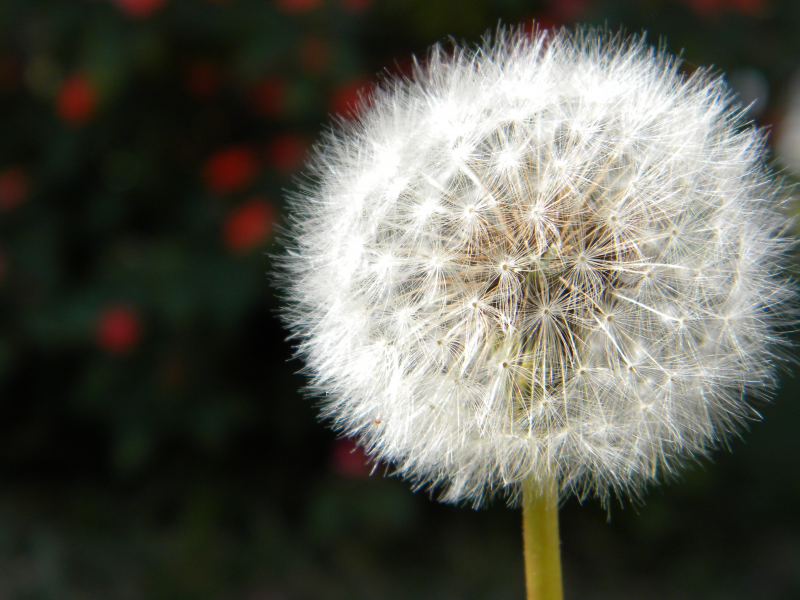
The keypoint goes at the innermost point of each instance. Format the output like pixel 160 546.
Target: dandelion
pixel 548 265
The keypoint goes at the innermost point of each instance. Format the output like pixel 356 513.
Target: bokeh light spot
pixel 350 98
pixel 119 329
pixel 14 188
pixel 269 97
pixel 76 101
pixel 298 6
pixel 349 460
pixel 286 152
pixel 248 225
pixel 139 9
pixel 230 169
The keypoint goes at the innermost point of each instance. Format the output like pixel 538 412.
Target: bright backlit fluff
pixel 552 257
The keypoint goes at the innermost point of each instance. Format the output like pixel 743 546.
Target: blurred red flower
pixel 286 152
pixel 298 6
pixel 14 188
pixel 248 225
pixel 76 100
pixel 269 97
pixel 350 98
pixel 118 329
pixel 139 9
pixel 230 169
pixel 349 460
pixel 356 5
pixel 314 53
pixel 569 11
pixel 203 79
pixel 402 66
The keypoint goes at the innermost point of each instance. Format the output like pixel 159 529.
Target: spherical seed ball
pixel 550 257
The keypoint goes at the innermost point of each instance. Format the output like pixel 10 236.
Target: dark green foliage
pixel 153 439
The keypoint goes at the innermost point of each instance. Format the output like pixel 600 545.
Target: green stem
pixel 540 541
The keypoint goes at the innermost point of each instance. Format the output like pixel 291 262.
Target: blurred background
pixel 153 439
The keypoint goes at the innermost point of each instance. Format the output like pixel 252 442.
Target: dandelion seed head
pixel 549 257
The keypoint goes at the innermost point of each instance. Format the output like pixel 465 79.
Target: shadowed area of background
pixel 154 442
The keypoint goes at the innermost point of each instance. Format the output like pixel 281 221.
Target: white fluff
pixel 548 257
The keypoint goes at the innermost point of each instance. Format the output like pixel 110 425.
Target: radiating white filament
pixel 550 257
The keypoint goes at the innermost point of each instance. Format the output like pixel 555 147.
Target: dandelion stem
pixel 540 541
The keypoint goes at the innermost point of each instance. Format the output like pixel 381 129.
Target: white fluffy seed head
pixel 550 257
